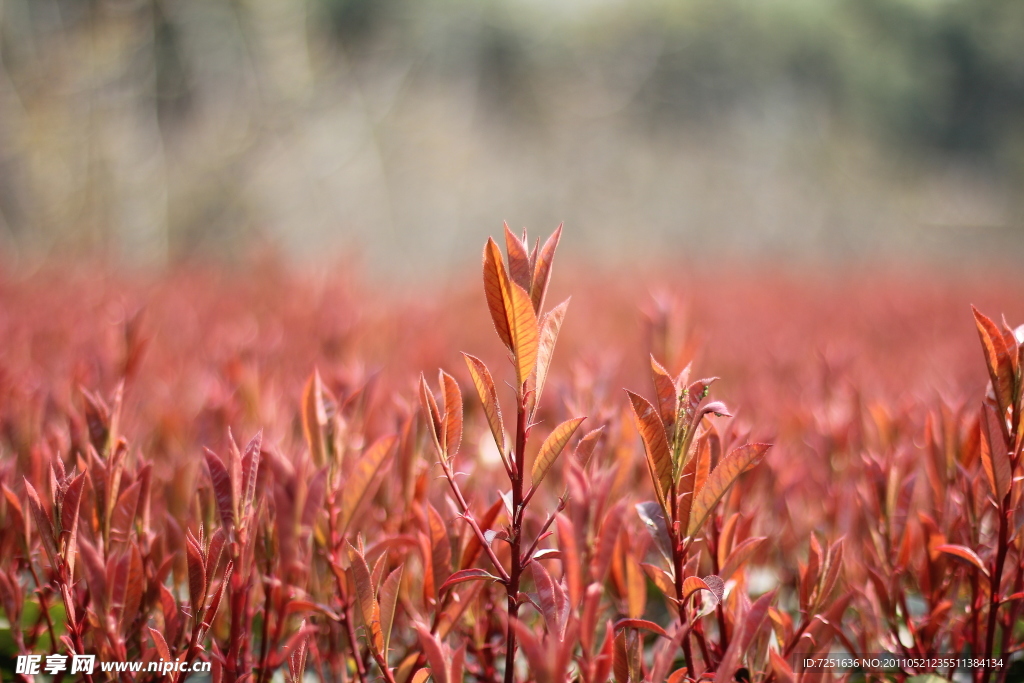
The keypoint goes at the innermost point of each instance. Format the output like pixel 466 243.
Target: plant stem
pixel 468 516
pixel 683 621
pixel 997 575
pixel 512 587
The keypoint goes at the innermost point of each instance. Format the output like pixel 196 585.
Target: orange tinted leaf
pixel 607 538
pixel 160 643
pixel 997 358
pixel 488 397
pixel 435 421
pixel 740 555
pixel 388 601
pixel 496 286
pixel 542 269
pixel 995 461
pixel 668 399
pixel 358 482
pixel 636 587
pixel 551 448
pixel 368 606
pixel 720 479
pixel 550 324
pixel 463 575
pixel 695 584
pixel 586 445
pixel 652 431
pixel 660 578
pixel 964 553
pixel 436 656
pixel 452 420
pixel 518 261
pixel 641 624
pixel 522 323
pixel 314 418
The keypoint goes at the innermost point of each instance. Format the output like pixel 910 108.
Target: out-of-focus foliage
pixel 162 128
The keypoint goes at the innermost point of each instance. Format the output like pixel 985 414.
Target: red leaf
pixel 124 512
pixel 436 656
pixel 222 489
pixel 964 553
pixel 542 269
pixel 740 555
pixel 723 476
pixel 998 360
pixel 359 479
pixel 550 325
pixel 435 421
pixel 250 470
pixel 586 445
pixel 489 398
pixel 69 506
pixel 652 431
pixel 496 286
pixel 388 600
pixel 161 644
pixel 452 419
pixel 552 448
pixel 641 624
pixel 196 574
pixel 668 399
pixel 549 606
pixel 518 261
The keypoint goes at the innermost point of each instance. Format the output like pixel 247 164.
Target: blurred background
pixel 150 132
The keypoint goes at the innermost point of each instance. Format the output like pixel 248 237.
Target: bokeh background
pixel 150 132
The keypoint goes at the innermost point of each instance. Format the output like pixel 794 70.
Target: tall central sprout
pixel 515 297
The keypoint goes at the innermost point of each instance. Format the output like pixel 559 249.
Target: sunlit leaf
pixel 488 398
pixel 496 290
pixel 997 358
pixel 522 323
pixel 463 575
pixel 720 479
pixel 452 419
pixel 641 624
pixel 668 399
pixel 518 261
pixel 964 553
pixel 552 448
pixel 652 431
pixel 542 269
pixel 358 482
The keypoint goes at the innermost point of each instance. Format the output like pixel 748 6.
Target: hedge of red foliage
pixel 248 468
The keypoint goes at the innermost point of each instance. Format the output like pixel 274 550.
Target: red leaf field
pixel 536 471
